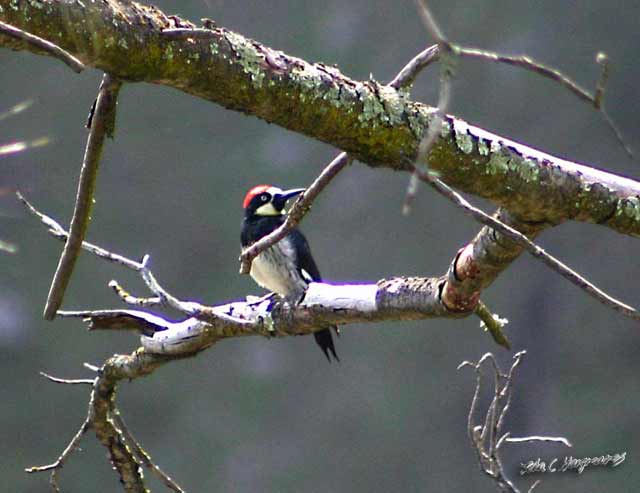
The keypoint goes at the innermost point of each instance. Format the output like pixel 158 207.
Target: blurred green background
pixel 271 415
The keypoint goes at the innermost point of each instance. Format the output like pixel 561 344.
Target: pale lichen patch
pixel 483 148
pixel 418 121
pixel 527 169
pixel 249 58
pixel 499 161
pixel 394 104
pixel 36 4
pixel 629 207
pixel 168 52
pixel 372 109
pixel 463 138
pixel 308 78
pixel 445 127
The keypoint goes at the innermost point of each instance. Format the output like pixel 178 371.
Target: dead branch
pixel 487 438
pixel 102 126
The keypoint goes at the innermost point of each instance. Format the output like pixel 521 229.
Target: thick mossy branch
pixel 372 122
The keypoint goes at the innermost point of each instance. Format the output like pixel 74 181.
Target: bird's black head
pixel 267 200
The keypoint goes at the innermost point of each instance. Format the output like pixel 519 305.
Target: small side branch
pixel 101 127
pixel 411 70
pixel 58 232
pixel 73 444
pixel 125 453
pixel 66 381
pixel 527 63
pixel 42 44
pixel 142 455
pixel 447 60
pixel 487 437
pixel 552 262
pixel 64 456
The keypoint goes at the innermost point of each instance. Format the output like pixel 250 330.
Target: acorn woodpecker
pixel 287 267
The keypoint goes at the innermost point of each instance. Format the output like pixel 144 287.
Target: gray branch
pixel 374 123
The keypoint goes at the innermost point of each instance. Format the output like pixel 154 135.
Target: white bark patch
pixel 181 338
pixel 357 297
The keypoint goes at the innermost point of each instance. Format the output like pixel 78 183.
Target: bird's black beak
pixel 280 200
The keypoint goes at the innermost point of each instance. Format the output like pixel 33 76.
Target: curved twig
pixel 40 43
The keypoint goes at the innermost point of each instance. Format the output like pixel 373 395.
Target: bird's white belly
pixel 275 271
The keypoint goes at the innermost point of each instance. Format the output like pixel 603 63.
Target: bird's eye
pixel 264 198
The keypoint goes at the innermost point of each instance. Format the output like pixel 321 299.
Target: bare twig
pixel 75 441
pixel 297 212
pixel 165 297
pixel 189 308
pixel 101 126
pixel 603 60
pixel 93 368
pixel 66 453
pixel 133 300
pixel 77 381
pixel 429 22
pixel 555 264
pixel 410 71
pixel 143 456
pixel 60 233
pixel 429 139
pixel 484 437
pixel 527 63
pixel 446 57
pixel 53 49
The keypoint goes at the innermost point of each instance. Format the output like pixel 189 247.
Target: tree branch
pixel 487 438
pixel 101 126
pixel 372 122
pixel 531 247
pixel 42 44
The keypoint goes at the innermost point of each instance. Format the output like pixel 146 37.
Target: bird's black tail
pixel 324 339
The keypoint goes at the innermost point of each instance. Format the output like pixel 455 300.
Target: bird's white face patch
pixel 267 209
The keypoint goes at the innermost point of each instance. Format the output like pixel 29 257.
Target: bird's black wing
pixel 305 259
pixel 308 268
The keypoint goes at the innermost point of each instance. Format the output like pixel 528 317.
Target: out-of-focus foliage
pixel 272 415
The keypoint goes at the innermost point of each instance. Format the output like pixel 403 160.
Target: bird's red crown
pixel 257 190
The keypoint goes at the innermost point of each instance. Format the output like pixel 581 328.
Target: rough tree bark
pixel 374 123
